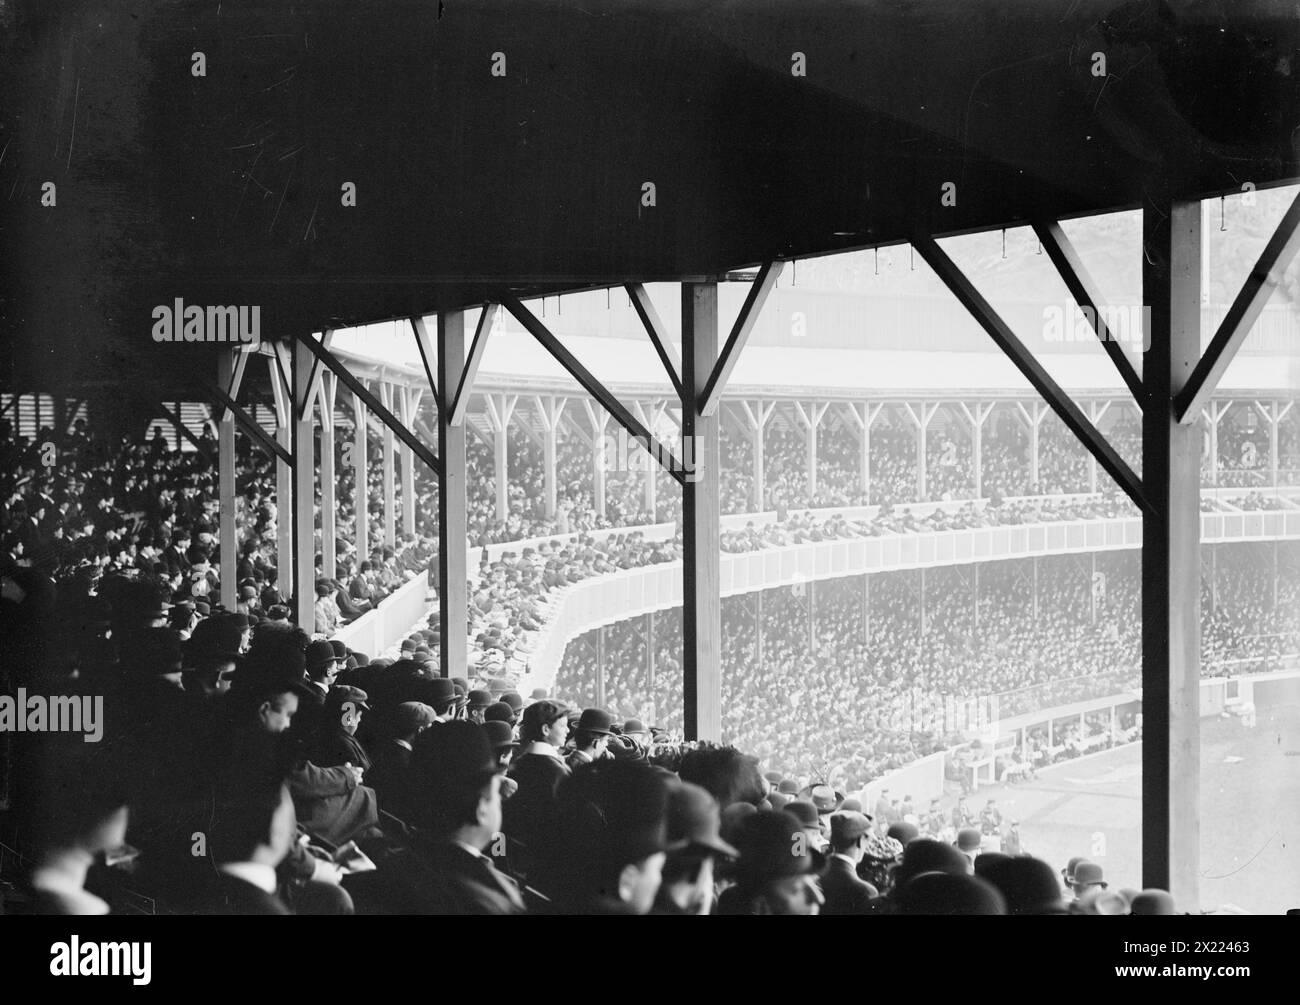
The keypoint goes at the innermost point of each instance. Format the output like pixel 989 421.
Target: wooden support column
pixel 866 609
pixel 304 492
pixel 701 565
pixel 281 393
pixel 1033 419
pixel 1215 413
pixel 599 421
pixel 921 416
pixel 756 418
pixel 550 413
pixel 500 407
pixel 410 405
pixel 361 483
pixel 810 419
pixel 600 667
pixel 328 509
pixel 388 461
pixel 227 501
pixel 1171 610
pixel 1096 409
pixel 453 548
pixel 1273 412
pixel 649 416
pixel 977 418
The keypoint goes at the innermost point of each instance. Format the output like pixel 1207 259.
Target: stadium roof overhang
pixel 909 118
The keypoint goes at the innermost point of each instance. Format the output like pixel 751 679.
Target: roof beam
pixel 1087 295
pixel 248 423
pixel 183 431
pixel 424 342
pixel 758 291
pixel 1241 316
pixel 460 403
pixel 373 405
pixel 654 326
pixel 1032 370
pixel 314 383
pixel 593 387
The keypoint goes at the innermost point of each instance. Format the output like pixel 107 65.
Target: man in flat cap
pixel 336 742
pixel 845 893
pixel 388 774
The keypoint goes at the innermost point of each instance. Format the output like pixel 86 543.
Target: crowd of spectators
pixel 250 766
pixel 808 690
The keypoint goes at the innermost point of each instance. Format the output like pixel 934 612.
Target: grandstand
pixel 937 510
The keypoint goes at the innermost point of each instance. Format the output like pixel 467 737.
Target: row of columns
pixel 751 419
pixel 1168 491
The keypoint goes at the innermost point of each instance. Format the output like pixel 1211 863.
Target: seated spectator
pixel 695 839
pixel 612 824
pixel 844 892
pixel 388 774
pixel 777 869
pixel 251 835
pixel 458 815
pixel 591 737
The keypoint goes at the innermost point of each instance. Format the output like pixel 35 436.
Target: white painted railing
pixel 632 592
pixel 390 622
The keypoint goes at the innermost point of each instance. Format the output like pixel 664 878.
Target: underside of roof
pixel 510 144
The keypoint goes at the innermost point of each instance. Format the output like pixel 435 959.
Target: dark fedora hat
pixel 695 821
pixel 499 734
pixel 596 720
pixel 767 842
pixel 499 711
pixel 319 653
pixel 803 811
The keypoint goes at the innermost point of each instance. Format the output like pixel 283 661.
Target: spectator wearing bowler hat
pixel 502 738
pixel 388 769
pixel 319 675
pixel 211 655
pixel 1028 885
pixel 635 730
pixel 904 833
pixel 477 704
pixel 1087 876
pixel 845 893
pixel 969 843
pixel 322 669
pixel 440 695
pixel 777 869
pixel 694 831
pixel 1153 901
pixel 457 784
pixel 499 711
pixel 806 813
pixel 614 826
pixel 1067 874
pixel 936 893
pixel 591 737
